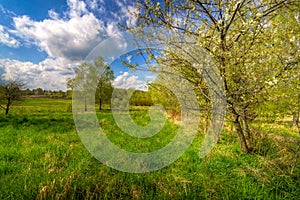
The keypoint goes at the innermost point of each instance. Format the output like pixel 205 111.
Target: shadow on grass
pixel 39 122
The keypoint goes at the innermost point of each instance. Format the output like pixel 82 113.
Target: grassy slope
pixel 41 156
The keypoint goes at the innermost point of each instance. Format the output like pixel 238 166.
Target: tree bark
pixel 85 104
pixel 243 143
pixel 100 106
pixel 247 133
pixel 295 119
pixel 7 110
pixel 7 106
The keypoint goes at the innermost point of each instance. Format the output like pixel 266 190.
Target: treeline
pixel 141 98
pixel 138 98
pixel 39 92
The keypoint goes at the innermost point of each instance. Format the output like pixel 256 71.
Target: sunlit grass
pixel 42 157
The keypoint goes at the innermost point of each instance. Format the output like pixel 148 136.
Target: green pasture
pixel 42 157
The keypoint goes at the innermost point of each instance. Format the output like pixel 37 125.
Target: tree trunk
pixel 7 106
pixel 85 104
pixel 100 106
pixel 295 119
pixel 7 110
pixel 247 133
pixel 242 138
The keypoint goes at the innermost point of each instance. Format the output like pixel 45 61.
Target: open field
pixel 42 157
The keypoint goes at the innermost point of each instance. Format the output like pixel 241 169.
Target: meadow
pixel 42 157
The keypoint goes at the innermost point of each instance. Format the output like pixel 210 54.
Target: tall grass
pixel 42 157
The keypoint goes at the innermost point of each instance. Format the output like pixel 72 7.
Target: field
pixel 42 157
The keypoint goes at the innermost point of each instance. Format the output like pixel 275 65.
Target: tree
pixel 105 78
pixel 10 91
pixel 241 38
pixel 93 79
pixel 38 91
pixel 82 82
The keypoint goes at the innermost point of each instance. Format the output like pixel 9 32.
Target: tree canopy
pixel 253 43
pixel 10 91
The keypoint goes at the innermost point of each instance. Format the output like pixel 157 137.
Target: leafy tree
pixel 141 98
pixel 241 38
pixel 38 91
pixel 93 77
pixel 105 76
pixel 10 91
pixel 82 82
pixel 28 92
pixel 284 94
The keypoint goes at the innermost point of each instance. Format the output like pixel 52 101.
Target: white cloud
pixel 129 57
pixel 7 39
pixel 94 4
pixel 129 14
pixel 67 38
pixel 53 15
pixel 77 8
pixel 113 30
pixel 127 81
pixel 71 39
pixel 48 74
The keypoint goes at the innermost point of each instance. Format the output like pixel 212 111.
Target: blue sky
pixel 42 41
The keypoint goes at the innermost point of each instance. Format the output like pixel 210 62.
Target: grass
pixel 42 157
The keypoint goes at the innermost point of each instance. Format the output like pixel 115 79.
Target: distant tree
pixel 70 83
pixel 38 91
pixel 69 94
pixel 96 76
pixel 70 87
pixel 105 76
pixel 82 81
pixel 141 98
pixel 10 91
pixel 27 92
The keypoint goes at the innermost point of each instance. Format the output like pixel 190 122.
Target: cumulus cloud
pixel 71 39
pixel 7 39
pixel 113 30
pixel 67 38
pixel 94 4
pixel 53 15
pixel 49 74
pixel 127 81
pixel 77 8
pixel 130 15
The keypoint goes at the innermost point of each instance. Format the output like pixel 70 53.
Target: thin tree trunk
pixel 7 106
pixel 85 104
pixel 247 132
pixel 295 119
pixel 100 106
pixel 7 110
pixel 242 138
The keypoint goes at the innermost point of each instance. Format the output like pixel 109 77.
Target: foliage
pixel 10 91
pixel 93 80
pixel 240 36
pixel 105 78
pixel 141 98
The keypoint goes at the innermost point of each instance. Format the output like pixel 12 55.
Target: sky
pixel 43 41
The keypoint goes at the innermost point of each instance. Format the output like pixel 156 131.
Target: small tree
pixel 105 78
pixel 10 91
pixel 90 77
pixel 82 81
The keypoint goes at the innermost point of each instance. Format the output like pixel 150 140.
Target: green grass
pixel 42 157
